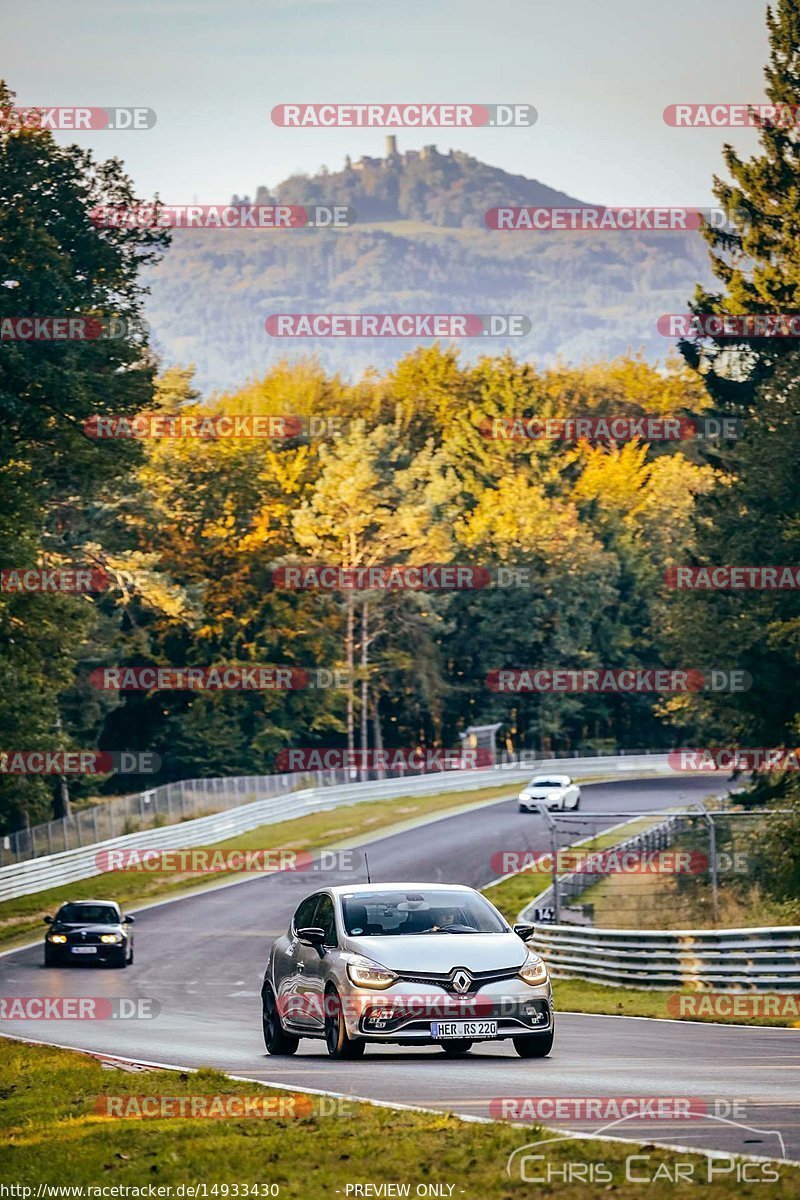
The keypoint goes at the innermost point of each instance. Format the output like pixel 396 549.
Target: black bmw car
pixel 89 931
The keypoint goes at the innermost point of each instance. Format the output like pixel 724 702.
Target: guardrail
pixel 667 960
pixel 55 870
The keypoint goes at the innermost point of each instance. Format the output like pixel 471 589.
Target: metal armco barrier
pixel 668 960
pixel 54 870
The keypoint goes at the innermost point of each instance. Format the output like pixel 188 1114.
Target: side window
pixel 305 913
pixel 326 919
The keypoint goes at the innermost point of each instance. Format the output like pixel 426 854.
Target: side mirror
pixel 47 920
pixel 312 935
pixel 128 920
pixel 524 931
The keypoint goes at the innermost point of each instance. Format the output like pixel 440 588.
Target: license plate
pixel 84 949
pixel 463 1029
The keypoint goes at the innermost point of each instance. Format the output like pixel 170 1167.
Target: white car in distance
pixel 556 791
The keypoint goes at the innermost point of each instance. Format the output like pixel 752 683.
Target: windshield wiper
pixel 453 929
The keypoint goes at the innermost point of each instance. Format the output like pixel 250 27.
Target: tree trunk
pixel 377 735
pixel 63 787
pixel 350 664
pixel 364 686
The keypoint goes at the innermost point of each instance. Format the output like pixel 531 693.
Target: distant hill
pixel 419 245
pixel 452 190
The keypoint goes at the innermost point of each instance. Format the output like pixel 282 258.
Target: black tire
pixel 276 1039
pixel 537 1045
pixel 577 804
pixel 130 958
pixel 120 963
pixel 339 1044
pixel 522 808
pixel 457 1047
pixel 49 960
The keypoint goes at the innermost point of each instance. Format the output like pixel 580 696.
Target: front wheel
pixel 276 1040
pixel 339 1044
pixel 457 1047
pixel 537 1045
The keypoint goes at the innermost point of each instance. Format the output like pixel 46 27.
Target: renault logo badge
pixel 461 980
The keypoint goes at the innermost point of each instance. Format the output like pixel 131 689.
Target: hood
pixel 71 927
pixel 543 793
pixel 439 952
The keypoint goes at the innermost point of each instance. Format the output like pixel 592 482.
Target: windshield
pixel 546 783
pixel 88 914
pixel 382 914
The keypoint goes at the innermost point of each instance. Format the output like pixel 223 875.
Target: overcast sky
pixel 599 74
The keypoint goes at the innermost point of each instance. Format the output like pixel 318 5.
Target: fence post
pixel 712 854
pixel 545 811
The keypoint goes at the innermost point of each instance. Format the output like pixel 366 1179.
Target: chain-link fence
pixel 188 798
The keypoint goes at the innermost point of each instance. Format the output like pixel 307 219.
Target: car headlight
pixel 57 937
pixel 363 972
pixel 533 971
pixel 110 938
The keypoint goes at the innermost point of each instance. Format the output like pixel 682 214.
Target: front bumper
pixel 65 953
pixel 403 1013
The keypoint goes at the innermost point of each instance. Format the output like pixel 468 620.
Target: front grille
pixel 480 979
pixel 76 938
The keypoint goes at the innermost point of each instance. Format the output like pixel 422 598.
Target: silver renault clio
pixel 407 964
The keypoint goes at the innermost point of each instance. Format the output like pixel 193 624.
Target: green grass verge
pixel 578 995
pixel 53 1135
pixel 20 917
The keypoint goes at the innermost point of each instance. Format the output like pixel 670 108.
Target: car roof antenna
pixel 366 864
